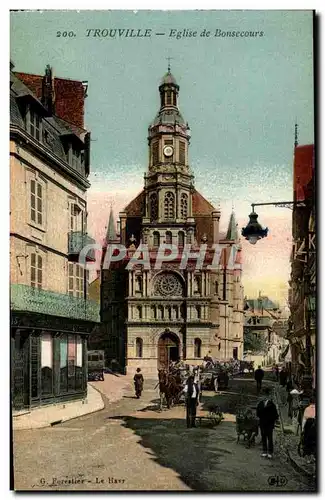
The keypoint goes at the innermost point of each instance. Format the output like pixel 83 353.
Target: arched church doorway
pixel 168 349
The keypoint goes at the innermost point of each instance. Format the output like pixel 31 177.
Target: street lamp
pixel 254 231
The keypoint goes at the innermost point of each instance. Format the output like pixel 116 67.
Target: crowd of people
pixel 189 378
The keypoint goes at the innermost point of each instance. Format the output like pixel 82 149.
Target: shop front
pixel 48 359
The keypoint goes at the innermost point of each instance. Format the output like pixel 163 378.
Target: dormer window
pixel 75 160
pixel 34 124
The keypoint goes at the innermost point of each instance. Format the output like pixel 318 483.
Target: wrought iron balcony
pixel 30 299
pixel 77 240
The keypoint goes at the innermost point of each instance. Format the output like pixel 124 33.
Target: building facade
pixel 152 316
pixel 265 321
pixel 51 316
pixel 302 291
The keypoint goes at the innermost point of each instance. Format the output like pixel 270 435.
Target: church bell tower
pixel 168 216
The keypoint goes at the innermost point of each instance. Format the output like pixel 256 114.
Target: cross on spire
pixel 168 59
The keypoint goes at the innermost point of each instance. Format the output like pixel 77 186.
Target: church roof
pixel 168 116
pixel 202 209
pixel 168 78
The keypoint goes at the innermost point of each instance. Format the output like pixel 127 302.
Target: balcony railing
pixel 30 299
pixel 77 240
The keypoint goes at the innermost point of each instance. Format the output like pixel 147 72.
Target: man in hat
pixel 267 413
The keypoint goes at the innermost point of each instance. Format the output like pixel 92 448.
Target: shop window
pixel 46 364
pixel 63 363
pixel 72 358
pixel 139 347
pixel 197 348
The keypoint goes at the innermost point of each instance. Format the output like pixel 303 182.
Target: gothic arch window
pixel 169 238
pixel 169 205
pixel 156 239
pixel 216 285
pixel 139 347
pixel 154 312
pixel 197 348
pixel 181 239
pixel 169 312
pixel 198 312
pixel 184 205
pixel 153 207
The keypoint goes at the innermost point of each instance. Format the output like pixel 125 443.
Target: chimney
pixel 48 90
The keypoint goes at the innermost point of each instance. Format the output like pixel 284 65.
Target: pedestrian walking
pixel 138 383
pixel 191 390
pixel 267 414
pixel 283 376
pixel 259 375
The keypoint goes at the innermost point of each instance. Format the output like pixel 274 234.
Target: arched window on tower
pixel 184 205
pixel 182 153
pixel 153 207
pixel 139 312
pixel 156 239
pixel 169 238
pixel 168 97
pixel 139 347
pixel 155 153
pixel 197 348
pixel 198 312
pixel 181 239
pixel 169 205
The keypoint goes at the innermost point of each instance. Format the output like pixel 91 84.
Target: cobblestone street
pixel 130 445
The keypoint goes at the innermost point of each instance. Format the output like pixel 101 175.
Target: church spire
pixel 111 231
pixel 232 232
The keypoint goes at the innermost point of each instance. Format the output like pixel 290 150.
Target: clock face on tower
pixel 168 151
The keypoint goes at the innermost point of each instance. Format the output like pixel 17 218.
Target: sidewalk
pixel 289 437
pixel 53 414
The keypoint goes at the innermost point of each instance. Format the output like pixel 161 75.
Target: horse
pixel 169 387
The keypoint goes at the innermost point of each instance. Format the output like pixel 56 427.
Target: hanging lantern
pixel 254 231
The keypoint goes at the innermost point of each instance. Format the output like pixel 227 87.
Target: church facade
pixel 181 309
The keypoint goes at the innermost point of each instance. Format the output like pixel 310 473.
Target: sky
pixel 241 97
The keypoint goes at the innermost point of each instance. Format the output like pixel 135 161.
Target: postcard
pixel 163 251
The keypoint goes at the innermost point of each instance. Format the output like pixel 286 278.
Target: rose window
pixel 168 284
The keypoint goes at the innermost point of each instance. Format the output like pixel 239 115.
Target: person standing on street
pixel 191 390
pixel 267 414
pixel 138 383
pixel 259 375
pixel 283 377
